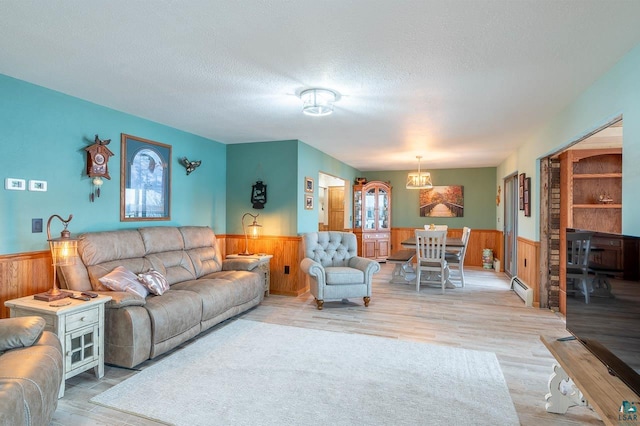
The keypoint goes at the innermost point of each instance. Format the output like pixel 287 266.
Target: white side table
pixel 79 326
pixel 263 266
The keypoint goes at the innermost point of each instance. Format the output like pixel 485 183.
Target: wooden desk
pixel 604 392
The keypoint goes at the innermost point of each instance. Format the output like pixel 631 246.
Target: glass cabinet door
pixel 370 209
pixel 357 209
pixel 383 209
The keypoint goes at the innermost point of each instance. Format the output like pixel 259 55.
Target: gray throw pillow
pixel 154 281
pixel 121 279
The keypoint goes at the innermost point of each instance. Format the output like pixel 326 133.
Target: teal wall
pixel 616 93
pixel 479 197
pixel 43 137
pixel 275 163
pixel 310 163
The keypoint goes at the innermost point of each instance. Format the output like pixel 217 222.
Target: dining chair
pixel 455 258
pixel 578 250
pixel 430 257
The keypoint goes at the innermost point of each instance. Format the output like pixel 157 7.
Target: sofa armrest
pixel 313 268
pixel 120 299
pixel 240 264
pixel 20 332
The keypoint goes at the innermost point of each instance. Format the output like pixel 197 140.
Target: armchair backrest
pixel 330 248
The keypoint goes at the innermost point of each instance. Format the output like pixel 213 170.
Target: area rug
pixel 253 373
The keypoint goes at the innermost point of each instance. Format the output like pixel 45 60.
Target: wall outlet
pixel 36 225
pixel 286 270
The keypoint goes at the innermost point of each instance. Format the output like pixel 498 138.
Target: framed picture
pixel 442 201
pixel 308 184
pixel 145 180
pixel 521 179
pixel 527 196
pixel 308 202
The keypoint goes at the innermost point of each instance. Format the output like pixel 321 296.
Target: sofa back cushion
pixel 100 253
pixel 158 239
pixel 203 250
pixel 100 247
pixel 175 266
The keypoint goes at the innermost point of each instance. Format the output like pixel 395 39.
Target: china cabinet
pixel 372 219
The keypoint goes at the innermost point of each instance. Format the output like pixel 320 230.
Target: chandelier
pixel 419 179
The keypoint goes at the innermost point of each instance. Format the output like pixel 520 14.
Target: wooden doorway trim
pixel 550 227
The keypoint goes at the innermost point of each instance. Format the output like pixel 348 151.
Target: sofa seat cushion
pixel 337 275
pixel 173 313
pixel 223 290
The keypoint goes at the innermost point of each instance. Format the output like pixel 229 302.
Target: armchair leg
pixel 320 304
pixel 366 301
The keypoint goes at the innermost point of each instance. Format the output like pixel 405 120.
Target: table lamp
pixel 63 252
pixel 254 232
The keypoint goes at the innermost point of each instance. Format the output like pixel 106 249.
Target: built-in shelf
pixel 597 206
pixel 597 175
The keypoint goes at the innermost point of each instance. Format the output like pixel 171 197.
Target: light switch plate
pixel 14 184
pixel 38 185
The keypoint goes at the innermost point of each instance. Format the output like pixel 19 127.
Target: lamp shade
pixel 252 231
pixel 64 251
pixel 317 102
pixel 419 179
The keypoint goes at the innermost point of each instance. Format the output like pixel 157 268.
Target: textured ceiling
pixel 459 82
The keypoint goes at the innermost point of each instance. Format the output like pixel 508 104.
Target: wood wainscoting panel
pixel 286 251
pixel 529 266
pixel 479 239
pixel 24 274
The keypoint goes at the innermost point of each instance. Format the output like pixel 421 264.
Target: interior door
pixel 336 208
pixel 511 225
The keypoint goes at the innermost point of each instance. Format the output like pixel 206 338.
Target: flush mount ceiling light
pixel 419 179
pixel 318 102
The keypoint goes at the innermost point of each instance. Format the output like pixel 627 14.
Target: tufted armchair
pixel 334 268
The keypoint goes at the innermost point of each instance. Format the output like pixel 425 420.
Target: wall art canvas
pixel 442 201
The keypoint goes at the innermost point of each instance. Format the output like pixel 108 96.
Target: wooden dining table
pixel 452 243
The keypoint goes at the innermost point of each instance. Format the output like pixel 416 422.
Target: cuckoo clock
pixel 97 158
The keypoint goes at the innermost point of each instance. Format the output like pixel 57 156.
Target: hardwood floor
pixel 485 315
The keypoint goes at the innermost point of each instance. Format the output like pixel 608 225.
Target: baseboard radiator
pixel 523 290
